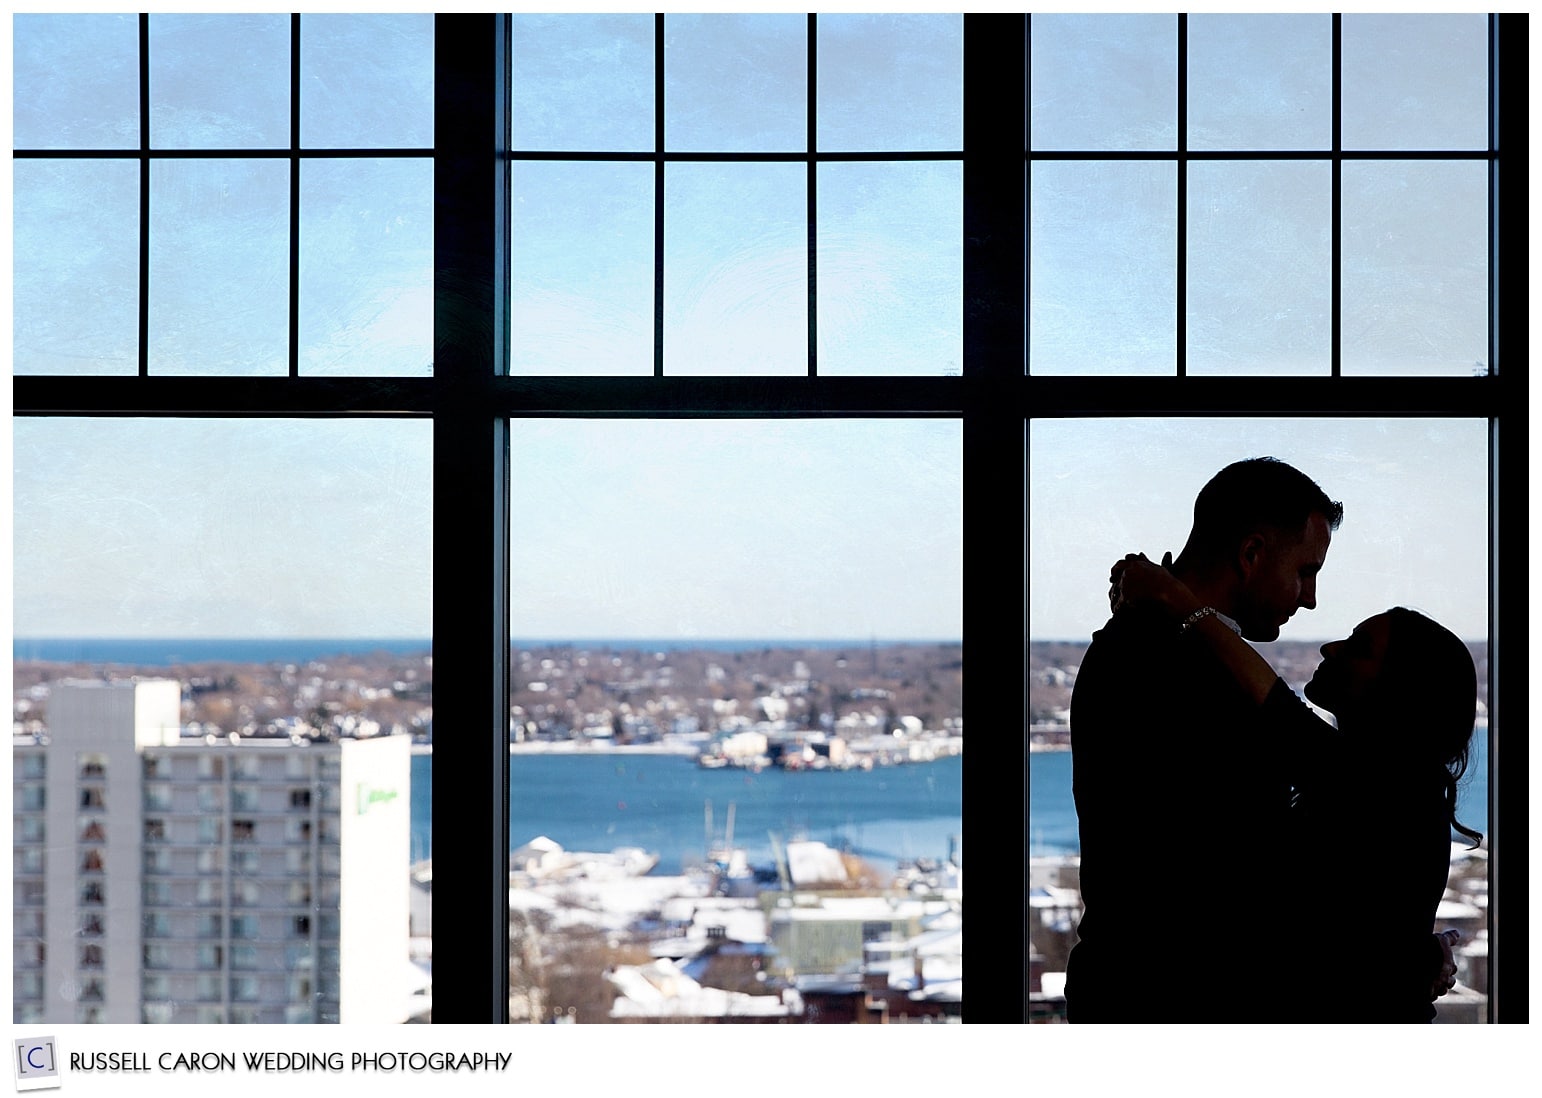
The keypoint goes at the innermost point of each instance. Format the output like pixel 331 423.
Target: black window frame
pixel 1500 398
pixel 472 405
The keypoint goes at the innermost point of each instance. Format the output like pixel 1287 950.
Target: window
pixel 477 294
pixel 1335 250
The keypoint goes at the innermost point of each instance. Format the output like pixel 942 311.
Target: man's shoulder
pixel 1131 632
pixel 1126 659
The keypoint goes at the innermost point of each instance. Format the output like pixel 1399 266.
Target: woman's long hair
pixel 1428 686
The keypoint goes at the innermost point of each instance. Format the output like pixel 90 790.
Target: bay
pixel 600 801
pixel 172 651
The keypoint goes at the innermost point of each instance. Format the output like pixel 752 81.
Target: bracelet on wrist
pixel 1195 618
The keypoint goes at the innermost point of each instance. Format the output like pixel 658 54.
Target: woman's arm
pixel 1137 581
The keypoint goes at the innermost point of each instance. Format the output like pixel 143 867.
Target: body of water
pixel 658 802
pixel 1052 811
pixel 168 652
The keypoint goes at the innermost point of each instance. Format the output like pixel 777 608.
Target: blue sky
pixel 321 528
pixel 142 528
pixel 1415 495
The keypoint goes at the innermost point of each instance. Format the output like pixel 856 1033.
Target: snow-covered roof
pixel 662 989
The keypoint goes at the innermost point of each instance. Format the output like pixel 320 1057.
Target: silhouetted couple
pixel 1241 858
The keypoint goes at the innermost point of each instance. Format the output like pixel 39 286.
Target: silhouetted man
pixel 1182 809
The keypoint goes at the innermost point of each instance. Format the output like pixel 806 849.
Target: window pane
pixel 890 268
pixel 582 269
pixel 219 267
pixel 1102 268
pixel 582 82
pixel 76 267
pixel 1259 267
pixel 736 82
pixel 1260 81
pixel 367 81
pixel 77 81
pixel 219 81
pixel 235 649
pixel 655 677
pixel 1415 253
pixel 736 269
pixel 1415 81
pixel 366 267
pixel 1415 533
pixel 1103 81
pixel 890 82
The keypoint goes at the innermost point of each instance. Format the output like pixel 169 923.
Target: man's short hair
pixel 1258 493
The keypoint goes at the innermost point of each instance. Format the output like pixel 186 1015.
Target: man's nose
pixel 1309 595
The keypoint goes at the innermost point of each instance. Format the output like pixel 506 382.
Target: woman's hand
pixel 1136 581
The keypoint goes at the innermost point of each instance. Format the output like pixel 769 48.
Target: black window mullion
pixel 812 195
pixel 1336 204
pixel 294 195
pixel 993 388
pixel 471 627
pixel 144 195
pixel 1509 668
pixel 1181 281
pixel 658 194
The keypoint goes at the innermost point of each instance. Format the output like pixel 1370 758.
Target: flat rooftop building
pixel 163 878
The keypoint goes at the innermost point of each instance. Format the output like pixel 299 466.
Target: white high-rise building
pixel 160 878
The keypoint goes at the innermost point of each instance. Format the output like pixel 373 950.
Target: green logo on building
pixel 369 798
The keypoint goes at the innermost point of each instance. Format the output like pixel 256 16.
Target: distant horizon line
pixel 1278 640
pixel 387 638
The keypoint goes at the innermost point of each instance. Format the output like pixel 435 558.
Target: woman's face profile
pixel 1345 680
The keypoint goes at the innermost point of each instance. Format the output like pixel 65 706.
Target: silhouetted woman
pixel 1374 799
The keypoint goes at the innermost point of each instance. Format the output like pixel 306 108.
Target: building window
pixel 1024 346
pixel 1246 256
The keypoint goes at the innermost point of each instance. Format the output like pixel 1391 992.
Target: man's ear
pixel 1250 554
